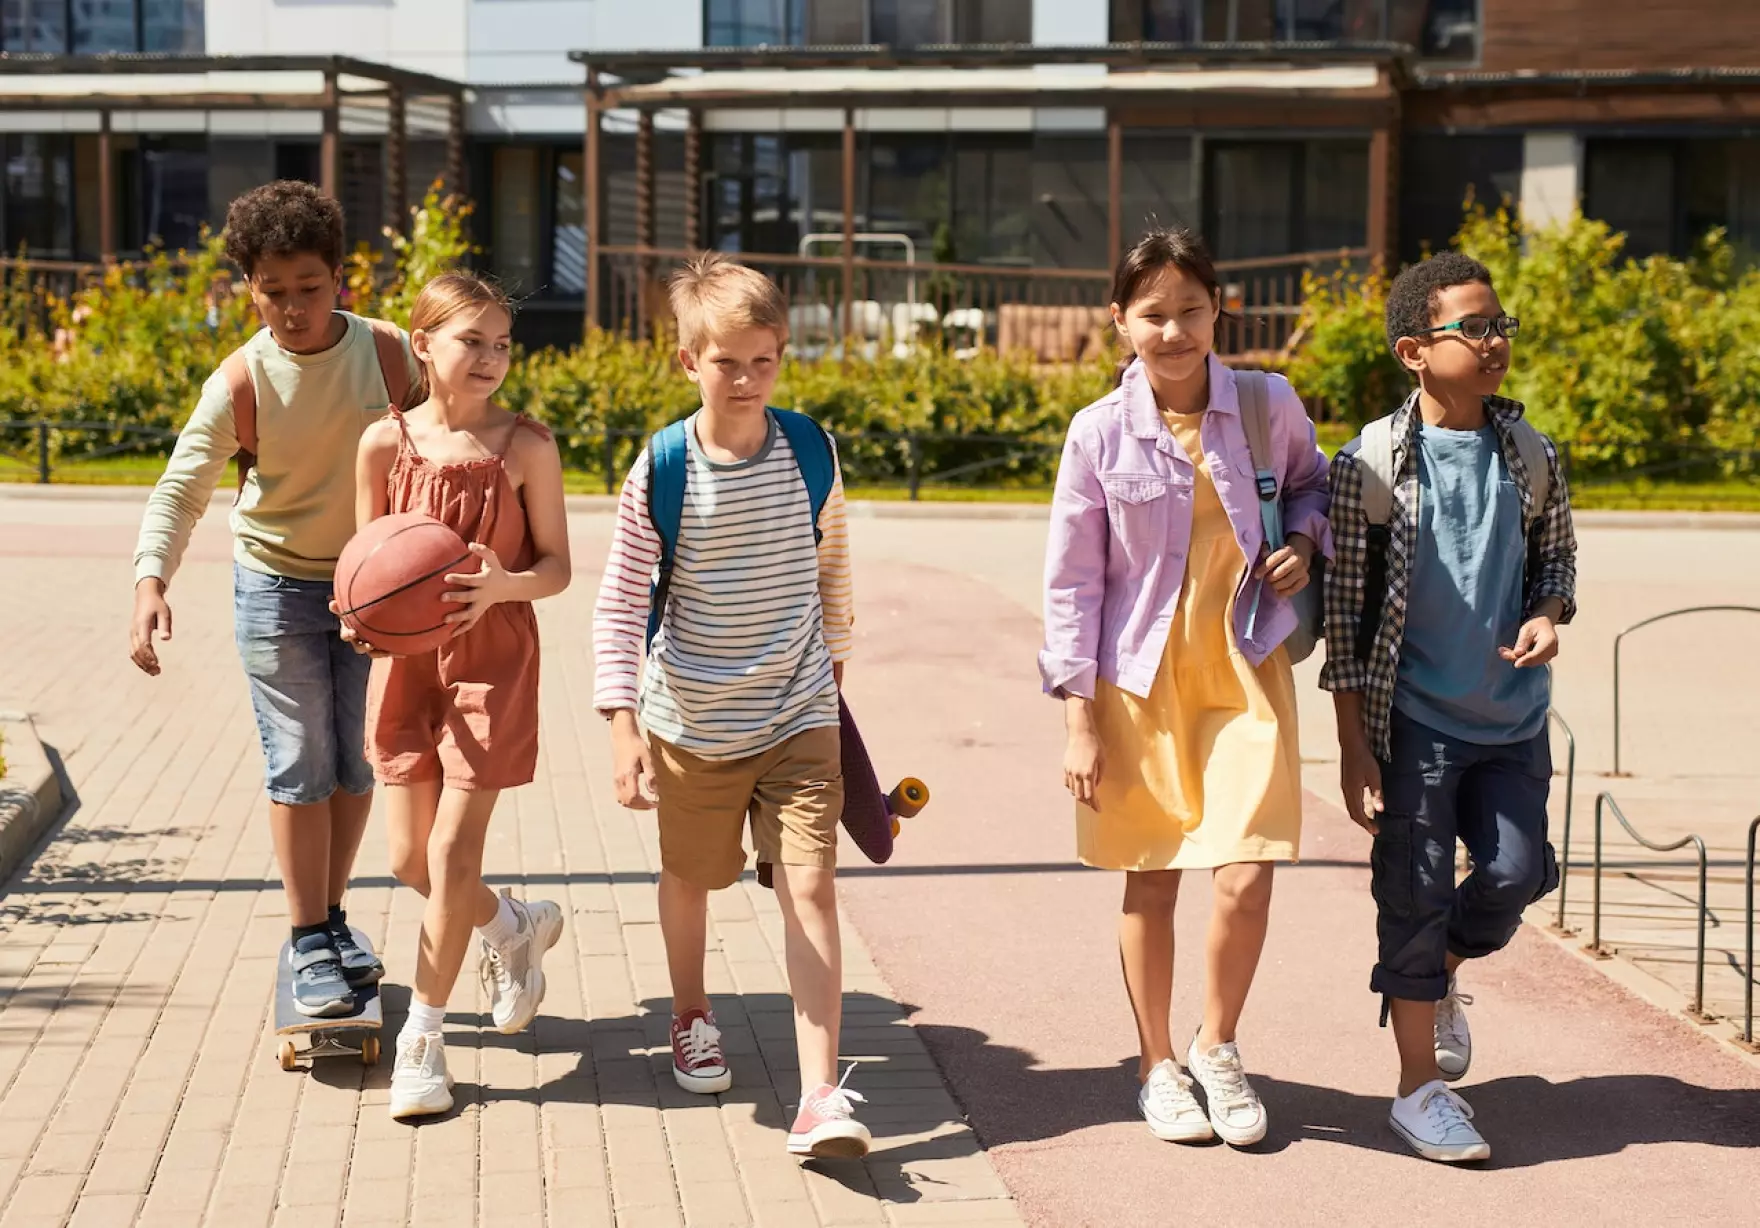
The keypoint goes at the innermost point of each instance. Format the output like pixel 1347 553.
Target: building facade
pixel 1014 134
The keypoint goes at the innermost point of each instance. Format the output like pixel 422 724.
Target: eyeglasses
pixel 1477 328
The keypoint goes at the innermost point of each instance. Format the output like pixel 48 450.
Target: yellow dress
pixel 1207 770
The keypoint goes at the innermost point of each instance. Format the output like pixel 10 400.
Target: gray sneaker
pixel 358 966
pixel 319 988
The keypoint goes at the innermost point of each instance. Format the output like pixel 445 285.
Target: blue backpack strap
pixel 812 452
pixel 668 463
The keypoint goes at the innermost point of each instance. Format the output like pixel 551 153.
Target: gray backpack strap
pixel 1532 449
pixel 1375 463
pixel 1255 416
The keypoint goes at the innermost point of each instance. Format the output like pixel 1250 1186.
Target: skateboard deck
pixel 355 1034
pixel 871 816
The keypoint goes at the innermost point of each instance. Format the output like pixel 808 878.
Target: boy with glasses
pixel 1455 564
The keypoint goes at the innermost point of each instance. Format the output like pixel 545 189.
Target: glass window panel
pixel 993 21
pixel 1158 183
pixel 174 191
pixel 752 23
pixel 34 25
pixel 1722 180
pixel 39 194
pixel 1069 202
pixel 1335 196
pixel 101 26
pixel 1251 202
pixel 1255 21
pixel 1170 21
pixel 911 23
pixel 514 214
pixel 1213 25
pixel 908 177
pixel 992 203
pixel 568 272
pixel 1311 21
pixel 1436 174
pixel 1439 29
pixel 835 22
pixel 172 26
pixel 1631 187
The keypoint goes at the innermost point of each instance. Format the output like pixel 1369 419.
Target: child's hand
pixel 632 769
pixel 1084 762
pixel 1287 569
pixel 354 641
pixel 1536 644
pixel 151 614
pixel 1360 780
pixel 478 590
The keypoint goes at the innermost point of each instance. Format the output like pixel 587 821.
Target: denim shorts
pixel 308 687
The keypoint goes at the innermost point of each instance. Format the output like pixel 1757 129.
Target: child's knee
pixel 409 864
pixel 1243 888
pixel 1151 890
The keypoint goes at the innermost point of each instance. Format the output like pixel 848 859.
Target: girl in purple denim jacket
pixel 1165 612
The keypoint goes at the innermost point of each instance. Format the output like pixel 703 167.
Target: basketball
pixel 390 579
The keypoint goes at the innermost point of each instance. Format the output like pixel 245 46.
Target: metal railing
pixel 44 443
pixel 1570 789
pixel 1619 639
pixel 1748 931
pixel 889 306
pixel 1605 802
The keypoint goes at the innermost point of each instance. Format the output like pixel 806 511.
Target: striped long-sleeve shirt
pixel 755 617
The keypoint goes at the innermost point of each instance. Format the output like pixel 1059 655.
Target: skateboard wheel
pixel 909 798
pixel 896 828
pixel 289 1056
pixel 369 1051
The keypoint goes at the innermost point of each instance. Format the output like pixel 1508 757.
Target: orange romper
pixel 466 713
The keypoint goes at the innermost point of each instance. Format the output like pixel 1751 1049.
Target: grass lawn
pixel 1639 494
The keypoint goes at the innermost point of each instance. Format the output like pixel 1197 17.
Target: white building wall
pixel 1069 23
pixel 1552 177
pixel 420 35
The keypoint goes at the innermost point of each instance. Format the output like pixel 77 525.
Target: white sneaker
pixel 1235 1108
pixel 514 978
pixel 420 1084
pixel 1439 1125
pixel 1454 1043
pixel 1167 1104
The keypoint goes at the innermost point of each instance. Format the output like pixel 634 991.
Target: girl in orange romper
pixel 448 730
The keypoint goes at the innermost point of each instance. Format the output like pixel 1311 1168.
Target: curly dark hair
pixel 283 218
pixel 1413 297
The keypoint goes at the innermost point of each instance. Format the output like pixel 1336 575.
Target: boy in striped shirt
pixel 734 713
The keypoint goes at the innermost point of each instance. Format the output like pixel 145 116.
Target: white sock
pixel 501 929
pixel 421 1020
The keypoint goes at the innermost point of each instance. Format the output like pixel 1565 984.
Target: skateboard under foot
pixel 355 1034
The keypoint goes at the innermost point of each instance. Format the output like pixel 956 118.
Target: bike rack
pixel 1605 802
pixel 1697 609
pixel 1570 788
pixel 1747 1039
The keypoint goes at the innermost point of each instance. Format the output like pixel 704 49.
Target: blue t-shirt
pixel 1466 599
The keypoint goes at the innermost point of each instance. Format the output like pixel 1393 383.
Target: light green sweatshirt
pixel 297 508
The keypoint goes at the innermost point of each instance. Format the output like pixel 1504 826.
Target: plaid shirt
pixel 1554 576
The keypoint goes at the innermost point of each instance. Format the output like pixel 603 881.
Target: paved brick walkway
pixel 138 1082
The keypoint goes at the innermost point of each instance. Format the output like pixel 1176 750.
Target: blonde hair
pixel 440 300
pixel 713 295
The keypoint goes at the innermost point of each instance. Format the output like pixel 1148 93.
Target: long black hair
pixel 1163 248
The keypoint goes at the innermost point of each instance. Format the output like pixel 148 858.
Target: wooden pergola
pixel 1352 86
pixel 182 83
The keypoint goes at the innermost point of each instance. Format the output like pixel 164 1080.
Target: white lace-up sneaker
pixel 1454 1043
pixel 1439 1125
pixel 1167 1104
pixel 826 1125
pixel 514 978
pixel 1235 1109
pixel 420 1084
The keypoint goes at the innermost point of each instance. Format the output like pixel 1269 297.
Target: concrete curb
pixel 30 792
pixel 889 509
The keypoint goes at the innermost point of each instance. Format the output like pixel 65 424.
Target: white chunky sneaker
pixel 1454 1043
pixel 514 977
pixel 1167 1104
pixel 1439 1125
pixel 1235 1109
pixel 420 1084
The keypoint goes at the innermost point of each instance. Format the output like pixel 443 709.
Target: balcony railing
pixel 888 306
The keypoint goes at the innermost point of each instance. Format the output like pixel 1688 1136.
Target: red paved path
pixel 1600 1108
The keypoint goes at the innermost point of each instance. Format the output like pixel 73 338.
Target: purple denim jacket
pixel 1121 523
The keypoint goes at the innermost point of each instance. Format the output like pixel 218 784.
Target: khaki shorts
pixel 792 794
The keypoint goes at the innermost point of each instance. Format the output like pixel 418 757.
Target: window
pixel 1222 21
pixel 1438 171
pixel 569 254
pixel 1274 198
pixel 1311 21
pixel 173 192
pixel 36 200
pixel 899 23
pixel 1439 29
pixel 1663 195
pixel 1630 185
pixel 514 199
pixel 100 27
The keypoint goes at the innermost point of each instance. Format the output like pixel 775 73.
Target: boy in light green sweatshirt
pixel 298 395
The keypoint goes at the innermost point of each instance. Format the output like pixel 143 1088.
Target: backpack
pixel 393 367
pixel 1309 605
pixel 668 464
pixel 1375 463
